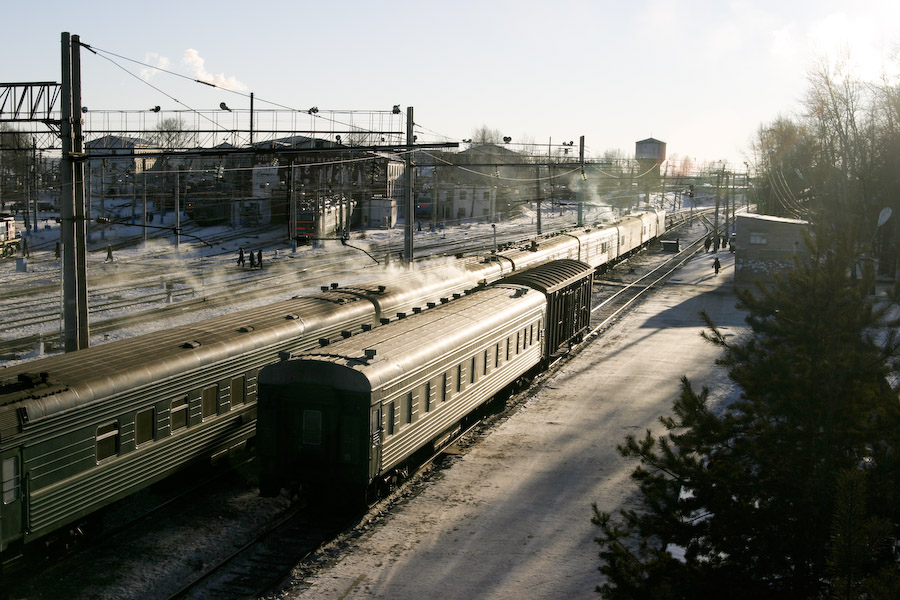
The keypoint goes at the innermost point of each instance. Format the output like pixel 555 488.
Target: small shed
pixel 765 245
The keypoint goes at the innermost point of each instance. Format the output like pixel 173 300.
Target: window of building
pixel 145 426
pixel 10 476
pixel 238 391
pixel 758 238
pixel 208 400
pixel 107 440
pixel 178 413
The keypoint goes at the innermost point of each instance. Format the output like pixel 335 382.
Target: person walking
pixel 252 260
pixel 717 265
pixel 240 260
pixel 259 258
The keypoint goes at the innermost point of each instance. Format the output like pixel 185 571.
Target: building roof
pixel 773 219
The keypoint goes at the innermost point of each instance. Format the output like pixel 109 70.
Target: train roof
pixel 74 378
pixel 373 359
pixel 552 276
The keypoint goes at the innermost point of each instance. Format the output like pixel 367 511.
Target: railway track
pixel 609 309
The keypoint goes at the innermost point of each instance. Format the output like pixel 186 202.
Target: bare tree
pixel 487 135
pixel 172 134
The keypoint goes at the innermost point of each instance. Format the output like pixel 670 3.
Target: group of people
pixel 256 260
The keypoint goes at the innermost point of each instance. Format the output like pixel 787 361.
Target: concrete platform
pixel 511 518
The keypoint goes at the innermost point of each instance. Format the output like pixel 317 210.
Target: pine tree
pixel 749 492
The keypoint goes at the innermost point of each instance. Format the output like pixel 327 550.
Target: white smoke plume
pixel 154 59
pixel 196 62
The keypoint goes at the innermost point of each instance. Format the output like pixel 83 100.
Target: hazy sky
pixel 700 75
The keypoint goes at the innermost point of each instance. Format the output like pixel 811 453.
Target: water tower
pixel 650 154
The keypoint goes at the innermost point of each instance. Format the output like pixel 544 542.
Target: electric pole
pixel 410 197
pixel 74 256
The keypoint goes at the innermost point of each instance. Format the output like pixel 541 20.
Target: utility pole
pixel 144 209
pixel 716 222
pixel 537 195
pixel 34 181
pixel 75 313
pixel 410 197
pixel 581 182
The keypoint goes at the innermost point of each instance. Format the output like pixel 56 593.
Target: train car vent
pixel 345 334
pixel 191 344
pixel 292 317
pixel 246 329
pixel 381 289
pixel 457 295
pixel 367 327
pixel 324 342
pixel 401 315
pixel 432 304
pixel 384 320
pixel 324 288
pixel 334 286
pixel 417 309
pixel 33 379
pixel 370 353
pixel 482 283
pixel 445 300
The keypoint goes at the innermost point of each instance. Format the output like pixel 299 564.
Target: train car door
pixel 375 435
pixel 11 497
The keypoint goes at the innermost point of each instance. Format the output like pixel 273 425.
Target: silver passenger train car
pixel 81 430
pixel 340 421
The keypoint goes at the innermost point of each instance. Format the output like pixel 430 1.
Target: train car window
pixel 497 356
pixel 531 335
pixel 485 366
pixel 409 408
pixel 107 440
pixel 472 370
pixel 445 387
pixel 426 397
pixel 458 378
pixel 508 347
pixel 144 426
pixel 518 341
pixel 238 391
pixel 178 413
pixel 312 427
pixel 10 474
pixel 392 410
pixel 209 399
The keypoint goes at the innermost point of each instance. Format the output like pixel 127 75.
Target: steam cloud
pixel 196 62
